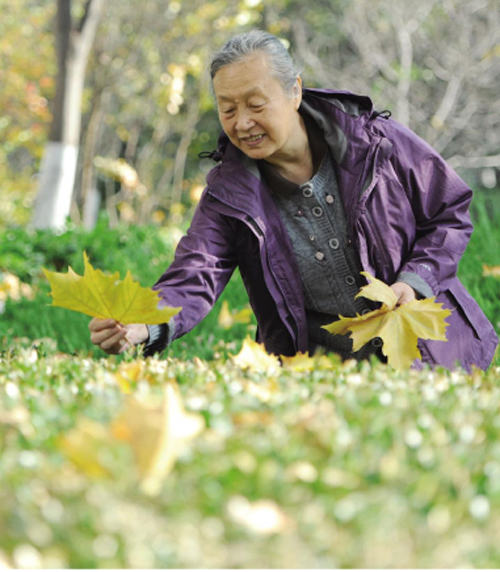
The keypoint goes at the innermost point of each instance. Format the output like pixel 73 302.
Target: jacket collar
pixel 341 115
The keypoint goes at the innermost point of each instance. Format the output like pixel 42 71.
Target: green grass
pixel 351 466
pixel 484 248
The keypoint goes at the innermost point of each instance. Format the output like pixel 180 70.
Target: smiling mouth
pixel 253 138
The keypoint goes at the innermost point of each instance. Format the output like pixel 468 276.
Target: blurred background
pixel 105 106
pixel 145 109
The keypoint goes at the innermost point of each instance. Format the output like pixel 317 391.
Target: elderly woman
pixel 311 187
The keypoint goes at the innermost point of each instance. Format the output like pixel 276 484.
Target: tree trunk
pixel 90 197
pixel 58 168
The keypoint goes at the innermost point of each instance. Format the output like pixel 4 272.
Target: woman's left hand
pixel 404 292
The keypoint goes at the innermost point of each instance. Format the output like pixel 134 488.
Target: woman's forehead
pixel 244 78
pixel 255 90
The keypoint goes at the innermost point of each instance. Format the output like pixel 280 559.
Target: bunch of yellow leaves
pixel 105 296
pixel 399 327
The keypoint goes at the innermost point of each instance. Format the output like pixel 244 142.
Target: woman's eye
pixel 256 106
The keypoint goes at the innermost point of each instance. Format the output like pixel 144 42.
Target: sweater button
pixel 377 342
pixel 319 256
pixel 365 311
pixel 330 199
pixel 334 243
pixel 317 211
pixel 307 190
pixel 350 281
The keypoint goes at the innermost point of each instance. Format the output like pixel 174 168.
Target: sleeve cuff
pixel 160 336
pixel 422 289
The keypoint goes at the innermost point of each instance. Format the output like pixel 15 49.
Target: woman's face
pixel 255 112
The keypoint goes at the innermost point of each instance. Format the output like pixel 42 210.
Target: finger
pixel 404 299
pixel 98 324
pixel 110 343
pixel 102 335
pixel 125 346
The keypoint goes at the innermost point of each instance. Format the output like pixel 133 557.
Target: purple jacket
pixel 407 212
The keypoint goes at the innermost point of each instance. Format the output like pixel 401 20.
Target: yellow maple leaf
pixel 299 362
pixel 254 357
pixel 86 445
pixel 102 295
pixel 156 433
pixel 304 362
pixel 399 327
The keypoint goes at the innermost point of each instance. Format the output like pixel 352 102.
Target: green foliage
pixel 484 248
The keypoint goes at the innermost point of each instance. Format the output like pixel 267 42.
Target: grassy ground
pixel 320 465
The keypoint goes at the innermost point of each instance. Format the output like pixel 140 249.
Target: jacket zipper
pixel 254 225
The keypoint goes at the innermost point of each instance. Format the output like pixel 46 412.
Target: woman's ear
pixel 297 92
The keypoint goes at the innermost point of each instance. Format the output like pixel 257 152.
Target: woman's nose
pixel 244 121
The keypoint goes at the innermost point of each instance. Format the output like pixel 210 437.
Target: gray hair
pixel 282 66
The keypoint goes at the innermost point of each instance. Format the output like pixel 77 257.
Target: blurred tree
pixel 149 101
pixel 73 41
pixel 435 64
pixel 27 68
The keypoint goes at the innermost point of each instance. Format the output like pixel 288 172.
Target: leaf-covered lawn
pixel 312 465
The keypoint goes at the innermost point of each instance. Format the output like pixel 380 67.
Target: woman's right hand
pixel 115 338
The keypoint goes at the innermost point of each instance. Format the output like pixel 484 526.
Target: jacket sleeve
pixel 440 202
pixel 204 261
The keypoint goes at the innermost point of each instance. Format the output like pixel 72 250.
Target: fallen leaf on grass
pixel 227 319
pixel 254 357
pixel 105 296
pixel 301 362
pixel 129 374
pixel 399 327
pixel 298 362
pixel 260 418
pixel 262 517
pixel 86 445
pixel 491 271
pixel 156 433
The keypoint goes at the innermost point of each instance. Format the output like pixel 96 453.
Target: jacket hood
pixel 350 103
